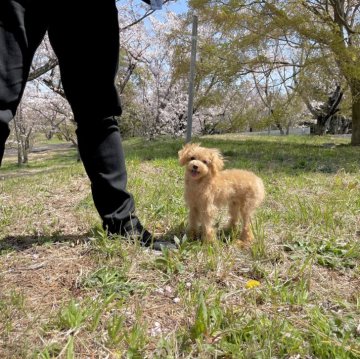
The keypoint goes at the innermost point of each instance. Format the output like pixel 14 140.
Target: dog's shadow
pixel 176 233
pixel 223 235
pixel 228 236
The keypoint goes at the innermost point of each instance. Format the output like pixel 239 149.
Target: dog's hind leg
pixel 234 212
pixel 246 233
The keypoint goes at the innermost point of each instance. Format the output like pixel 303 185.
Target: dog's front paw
pixel 246 236
pixel 243 244
pixel 209 236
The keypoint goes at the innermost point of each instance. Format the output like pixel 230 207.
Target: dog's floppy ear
pixel 217 160
pixel 184 153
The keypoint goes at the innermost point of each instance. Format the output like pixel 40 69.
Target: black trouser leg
pixel 85 39
pixel 101 152
pixel 22 27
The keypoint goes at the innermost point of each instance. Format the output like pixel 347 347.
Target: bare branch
pixel 53 62
pixel 340 16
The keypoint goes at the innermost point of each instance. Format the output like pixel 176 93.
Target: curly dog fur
pixel 209 187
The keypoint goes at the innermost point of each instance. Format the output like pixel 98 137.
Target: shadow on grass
pixel 22 243
pixel 30 172
pixel 39 166
pixel 287 155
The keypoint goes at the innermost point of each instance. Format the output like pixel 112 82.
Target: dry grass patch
pixel 36 281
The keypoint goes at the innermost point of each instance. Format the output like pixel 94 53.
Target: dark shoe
pixel 136 232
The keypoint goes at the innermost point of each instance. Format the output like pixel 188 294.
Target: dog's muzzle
pixel 194 171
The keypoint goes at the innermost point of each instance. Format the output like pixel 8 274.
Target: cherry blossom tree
pixel 44 107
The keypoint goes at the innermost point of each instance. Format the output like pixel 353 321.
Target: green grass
pixel 69 291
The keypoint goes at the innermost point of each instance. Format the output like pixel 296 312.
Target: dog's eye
pixel 206 162
pixel 192 158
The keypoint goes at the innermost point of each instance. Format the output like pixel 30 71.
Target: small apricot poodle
pixel 209 187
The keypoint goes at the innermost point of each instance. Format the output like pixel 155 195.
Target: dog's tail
pixel 260 191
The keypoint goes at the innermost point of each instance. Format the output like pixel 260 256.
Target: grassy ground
pixel 68 291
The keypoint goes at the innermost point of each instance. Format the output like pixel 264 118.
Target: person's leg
pixel 22 27
pixel 85 38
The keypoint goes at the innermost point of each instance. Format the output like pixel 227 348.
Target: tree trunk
pixel 23 150
pixel 320 127
pixel 355 136
pixel 280 128
pixel 18 141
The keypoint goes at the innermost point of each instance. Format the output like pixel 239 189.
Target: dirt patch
pixel 45 277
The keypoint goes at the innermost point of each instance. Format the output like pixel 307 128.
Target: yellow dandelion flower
pixel 252 283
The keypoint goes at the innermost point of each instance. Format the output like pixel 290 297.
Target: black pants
pixel 85 38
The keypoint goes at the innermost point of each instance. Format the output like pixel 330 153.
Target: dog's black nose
pixel 195 167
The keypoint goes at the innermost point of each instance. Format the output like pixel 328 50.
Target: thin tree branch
pixel 43 69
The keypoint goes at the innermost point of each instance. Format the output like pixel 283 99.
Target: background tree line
pixel 260 65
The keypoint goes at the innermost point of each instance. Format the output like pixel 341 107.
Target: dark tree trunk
pixel 280 128
pixel 327 110
pixel 355 136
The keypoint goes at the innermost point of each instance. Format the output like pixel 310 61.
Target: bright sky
pixel 176 6
pixel 179 6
